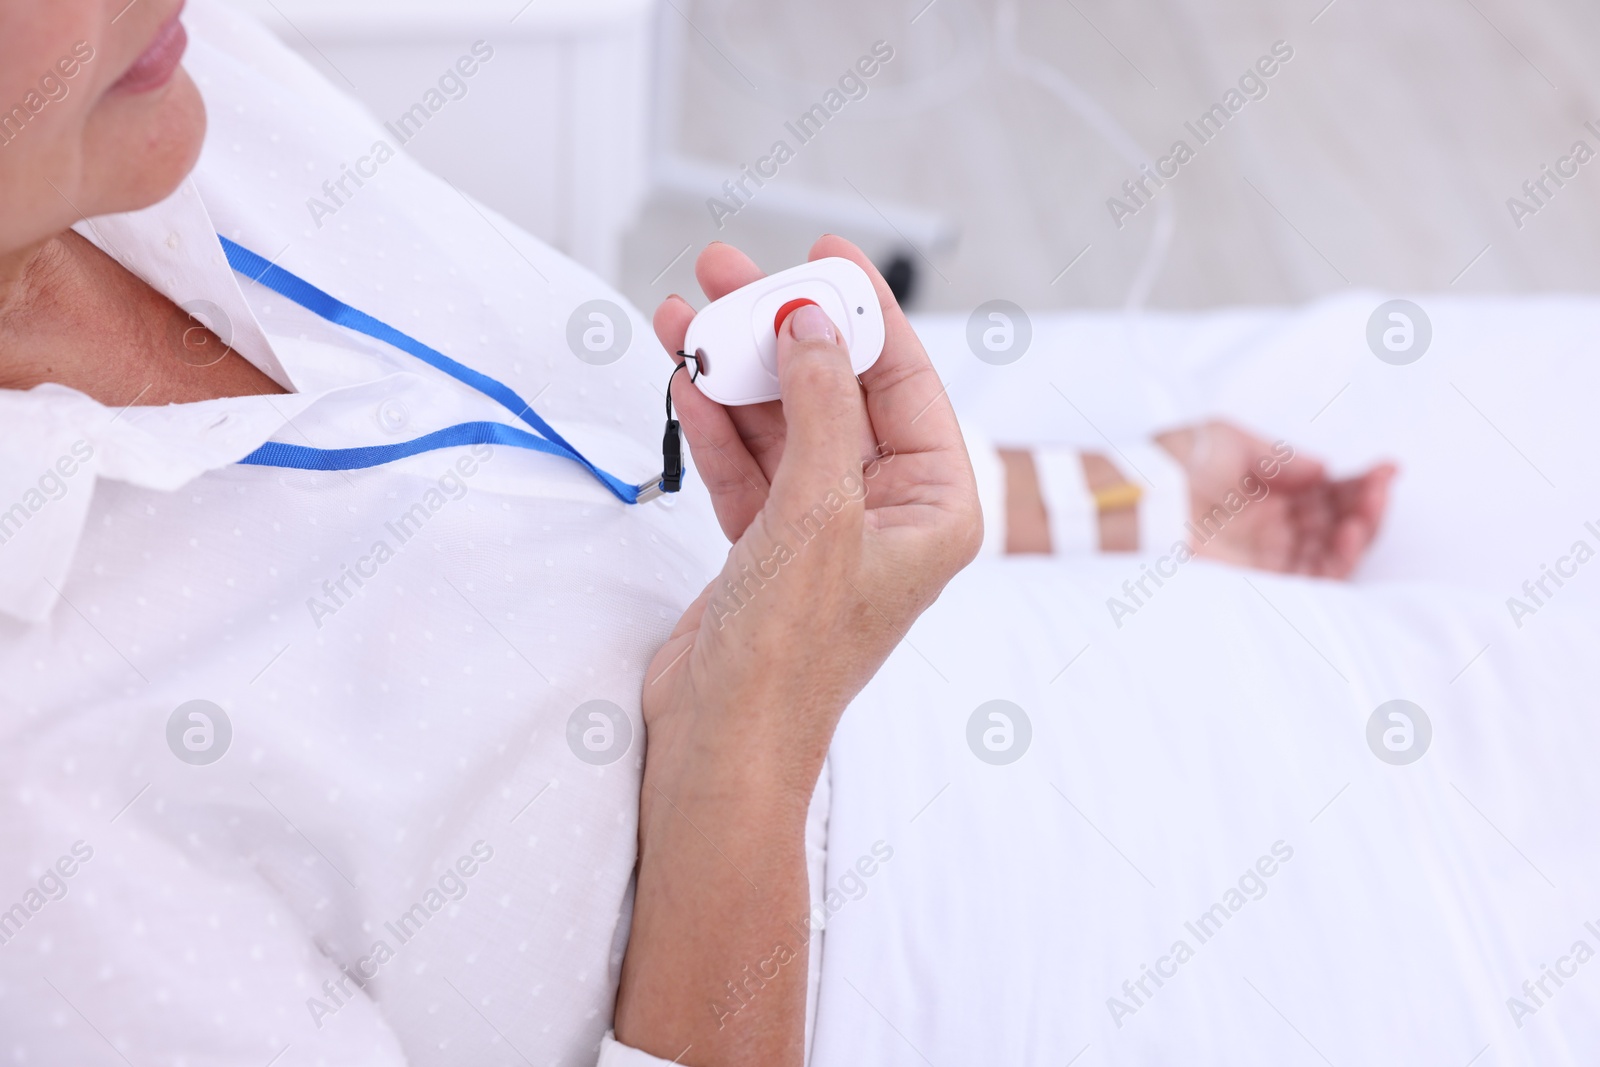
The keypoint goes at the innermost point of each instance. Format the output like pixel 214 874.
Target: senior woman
pixel 222 900
pixel 270 714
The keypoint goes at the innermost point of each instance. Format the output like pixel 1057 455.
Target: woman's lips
pixel 160 61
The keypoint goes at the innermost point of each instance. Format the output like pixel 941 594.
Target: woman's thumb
pixel 822 410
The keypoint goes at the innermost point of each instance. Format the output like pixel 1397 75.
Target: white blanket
pixel 1202 774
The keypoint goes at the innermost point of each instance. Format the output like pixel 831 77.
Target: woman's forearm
pixel 715 972
pixel 849 509
pixel 1028 521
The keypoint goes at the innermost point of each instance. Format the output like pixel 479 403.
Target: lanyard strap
pixel 298 457
pixel 303 458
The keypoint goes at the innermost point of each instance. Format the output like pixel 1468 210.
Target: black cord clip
pixel 672 440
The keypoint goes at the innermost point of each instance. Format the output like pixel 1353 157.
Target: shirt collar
pixel 58 443
pixel 173 247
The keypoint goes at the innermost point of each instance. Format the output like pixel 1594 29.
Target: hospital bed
pixel 1201 857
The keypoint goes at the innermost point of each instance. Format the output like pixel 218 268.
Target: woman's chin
pixel 147 146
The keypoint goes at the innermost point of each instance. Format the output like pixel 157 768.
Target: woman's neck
pixel 72 315
pixel 12 268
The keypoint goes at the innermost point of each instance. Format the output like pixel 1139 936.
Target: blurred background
pixel 981 158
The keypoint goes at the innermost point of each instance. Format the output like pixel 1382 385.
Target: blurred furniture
pixel 554 133
pixel 696 178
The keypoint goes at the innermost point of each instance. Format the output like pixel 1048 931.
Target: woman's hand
pixel 1306 524
pixel 850 506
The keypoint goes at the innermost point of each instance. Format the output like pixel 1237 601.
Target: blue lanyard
pixel 299 457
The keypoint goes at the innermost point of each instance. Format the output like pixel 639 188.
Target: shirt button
pixel 393 415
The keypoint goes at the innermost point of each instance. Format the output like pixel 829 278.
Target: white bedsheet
pixel 1229 715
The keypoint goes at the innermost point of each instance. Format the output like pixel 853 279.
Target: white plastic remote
pixel 736 338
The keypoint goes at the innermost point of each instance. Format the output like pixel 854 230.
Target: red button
pixel 789 309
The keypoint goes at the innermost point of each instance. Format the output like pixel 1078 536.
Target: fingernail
pixel 811 323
